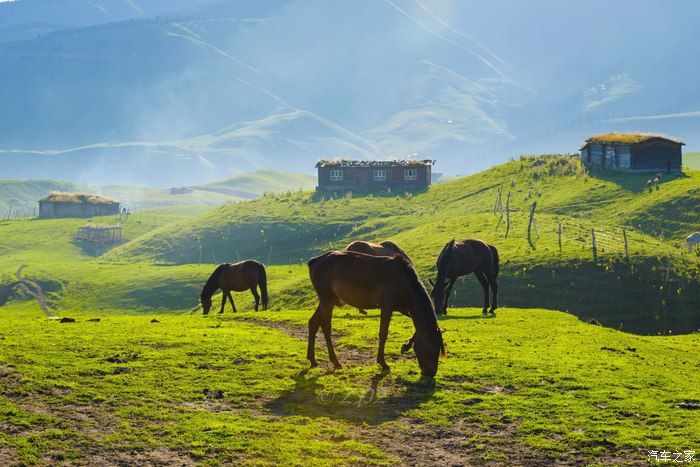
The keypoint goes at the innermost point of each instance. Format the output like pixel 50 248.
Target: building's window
pixel 337 175
pixel 410 174
pixel 380 175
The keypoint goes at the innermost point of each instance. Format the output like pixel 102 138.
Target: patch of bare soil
pixel 154 457
pixel 345 353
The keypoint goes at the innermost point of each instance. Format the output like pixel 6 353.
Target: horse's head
pixel 437 294
pixel 429 347
pixel 206 303
pixel 442 264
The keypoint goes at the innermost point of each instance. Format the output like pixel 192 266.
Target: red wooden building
pixel 367 175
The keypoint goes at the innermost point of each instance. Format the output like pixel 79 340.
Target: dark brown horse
pixel 386 282
pixel 236 277
pixel 459 259
pixel 385 248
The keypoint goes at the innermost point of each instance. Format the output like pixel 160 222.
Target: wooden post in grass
pixel 624 237
pixel 594 244
pixel 508 214
pixel 529 224
pixel 559 236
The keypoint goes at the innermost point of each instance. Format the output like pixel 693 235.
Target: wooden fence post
pixel 559 236
pixel 627 251
pixel 508 214
pixel 594 244
pixel 529 224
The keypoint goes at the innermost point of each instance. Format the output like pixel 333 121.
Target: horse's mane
pixel 393 245
pixel 418 286
pixel 444 260
pixel 212 284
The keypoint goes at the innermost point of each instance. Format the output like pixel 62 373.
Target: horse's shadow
pixel 358 405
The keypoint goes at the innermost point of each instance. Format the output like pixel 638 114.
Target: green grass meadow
pixel 587 362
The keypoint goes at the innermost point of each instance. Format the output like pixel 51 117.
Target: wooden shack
pixel 633 152
pixel 105 234
pixel 59 204
pixel 370 175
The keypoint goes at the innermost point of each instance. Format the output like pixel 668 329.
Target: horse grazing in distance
pixel 692 240
pixel 459 259
pixel 386 282
pixel 236 277
pixel 385 248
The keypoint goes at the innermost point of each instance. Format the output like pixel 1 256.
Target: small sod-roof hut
pixel 637 152
pixel 60 204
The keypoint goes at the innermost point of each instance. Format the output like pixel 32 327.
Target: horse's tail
pixel 496 260
pixel 262 282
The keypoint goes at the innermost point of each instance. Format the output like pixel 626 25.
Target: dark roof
pixel 629 138
pixel 62 197
pixel 373 163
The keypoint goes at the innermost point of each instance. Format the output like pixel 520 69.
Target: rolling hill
pixel 23 195
pixel 138 376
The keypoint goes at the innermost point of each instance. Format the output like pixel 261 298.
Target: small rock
pixel 66 319
pixel 215 394
pixel 94 320
pixel 472 401
pixel 688 405
pixel 155 321
pixel 121 370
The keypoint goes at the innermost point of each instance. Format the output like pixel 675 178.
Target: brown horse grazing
pixel 459 259
pixel 386 282
pixel 238 277
pixel 385 248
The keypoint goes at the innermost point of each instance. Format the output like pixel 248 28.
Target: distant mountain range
pixel 166 92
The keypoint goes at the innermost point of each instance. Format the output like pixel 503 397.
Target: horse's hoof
pixel 492 311
pixel 314 364
pixel 405 348
pixel 484 311
pixel 337 366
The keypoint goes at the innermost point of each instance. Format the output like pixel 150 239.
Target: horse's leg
pixel 484 285
pixel 448 293
pixel 230 299
pixel 255 296
pixel 314 324
pixel 409 344
pixel 326 318
pixel 224 296
pixel 494 291
pixel 384 320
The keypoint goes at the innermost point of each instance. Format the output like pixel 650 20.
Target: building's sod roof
pixel 373 163
pixel 629 138
pixel 67 197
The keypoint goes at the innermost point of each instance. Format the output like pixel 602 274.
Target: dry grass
pixel 629 138
pixel 68 197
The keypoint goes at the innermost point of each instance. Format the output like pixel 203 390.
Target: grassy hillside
pixel 152 383
pixel 24 194
pixel 691 160
pixel 290 228
pixel 255 184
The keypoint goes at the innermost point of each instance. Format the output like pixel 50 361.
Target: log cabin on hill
pixel 59 204
pixel 633 152
pixel 368 175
